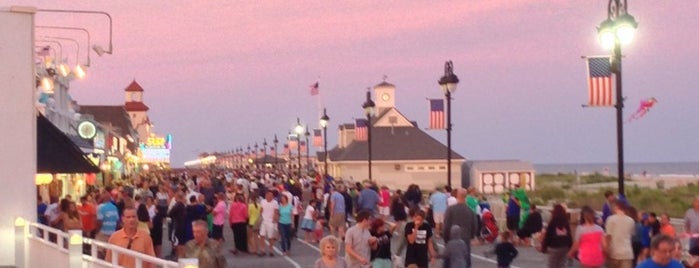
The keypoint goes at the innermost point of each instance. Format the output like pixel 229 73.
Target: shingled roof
pixel 394 143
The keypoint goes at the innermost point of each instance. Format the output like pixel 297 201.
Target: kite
pixel 643 109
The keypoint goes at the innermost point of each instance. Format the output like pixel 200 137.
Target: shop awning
pixel 56 153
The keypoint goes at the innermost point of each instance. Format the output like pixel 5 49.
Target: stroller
pixel 489 230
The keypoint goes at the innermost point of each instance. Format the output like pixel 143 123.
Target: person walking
pixel 329 258
pixel 270 217
pixel 286 224
pixel 206 251
pixel 620 228
pixel 358 242
pixel 589 241
pixel 368 199
pixel 662 248
pixel 219 217
pixel 420 249
pixel 254 223
pixel 337 211
pixel 132 238
pixel 461 215
pixel 557 238
pixel 438 203
pixel 691 224
pixel 381 250
pixel 237 217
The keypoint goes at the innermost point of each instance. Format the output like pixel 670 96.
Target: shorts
pixel 513 223
pixel 308 225
pixel 268 230
pixel 385 211
pixel 337 220
pixel 438 217
pixel 217 232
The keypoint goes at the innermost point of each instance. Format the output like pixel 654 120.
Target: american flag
pixel 317 138
pixel 314 89
pixel 437 114
pixel 361 129
pixel 286 149
pixel 599 81
pixel 303 146
pixel 293 142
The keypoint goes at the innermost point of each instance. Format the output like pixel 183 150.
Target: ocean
pixel 669 168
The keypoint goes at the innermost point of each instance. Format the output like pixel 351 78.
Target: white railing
pixel 44 246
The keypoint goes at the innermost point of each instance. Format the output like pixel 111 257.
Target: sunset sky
pixel 223 74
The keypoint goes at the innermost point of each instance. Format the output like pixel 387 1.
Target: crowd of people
pixel 266 207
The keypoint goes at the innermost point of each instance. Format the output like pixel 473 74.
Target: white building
pixel 402 153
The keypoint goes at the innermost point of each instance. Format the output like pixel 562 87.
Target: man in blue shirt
pixel 368 199
pixel 607 209
pixel 662 249
pixel 107 219
pixel 438 202
pixel 337 212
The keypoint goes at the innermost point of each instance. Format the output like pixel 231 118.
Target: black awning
pixel 56 153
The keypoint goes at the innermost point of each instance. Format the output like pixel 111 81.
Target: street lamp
pixel 299 131
pixel 618 29
pixel 256 153
pixel 324 124
pixel 264 148
pixel 369 111
pixel 448 84
pixel 275 141
pixel 98 49
pixel 308 151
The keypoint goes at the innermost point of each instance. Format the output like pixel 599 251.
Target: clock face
pixel 87 130
pixel 134 96
pixel 385 97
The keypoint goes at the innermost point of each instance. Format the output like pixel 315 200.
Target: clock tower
pixel 137 110
pixel 384 96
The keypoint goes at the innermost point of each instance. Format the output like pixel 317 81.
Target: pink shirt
pixel 385 198
pixel 238 212
pixel 220 213
pixel 590 250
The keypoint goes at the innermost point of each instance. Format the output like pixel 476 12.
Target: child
pixel 319 228
pixel 455 252
pixel 505 250
pixel 308 224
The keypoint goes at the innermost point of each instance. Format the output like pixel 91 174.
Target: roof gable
pixel 392 118
pixel 134 87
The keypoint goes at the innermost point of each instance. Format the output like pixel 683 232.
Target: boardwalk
pixel 304 255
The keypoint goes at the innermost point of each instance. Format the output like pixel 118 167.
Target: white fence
pixel 38 245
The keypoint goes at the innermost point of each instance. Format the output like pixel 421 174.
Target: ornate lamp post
pixel 618 29
pixel 256 153
pixel 299 131
pixel 448 84
pixel 308 151
pixel 369 111
pixel 324 124
pixel 264 153
pixel 275 141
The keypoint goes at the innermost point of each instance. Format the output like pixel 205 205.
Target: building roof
pixel 134 87
pixel 394 143
pixel 111 114
pixel 384 84
pixel 499 165
pixel 135 106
